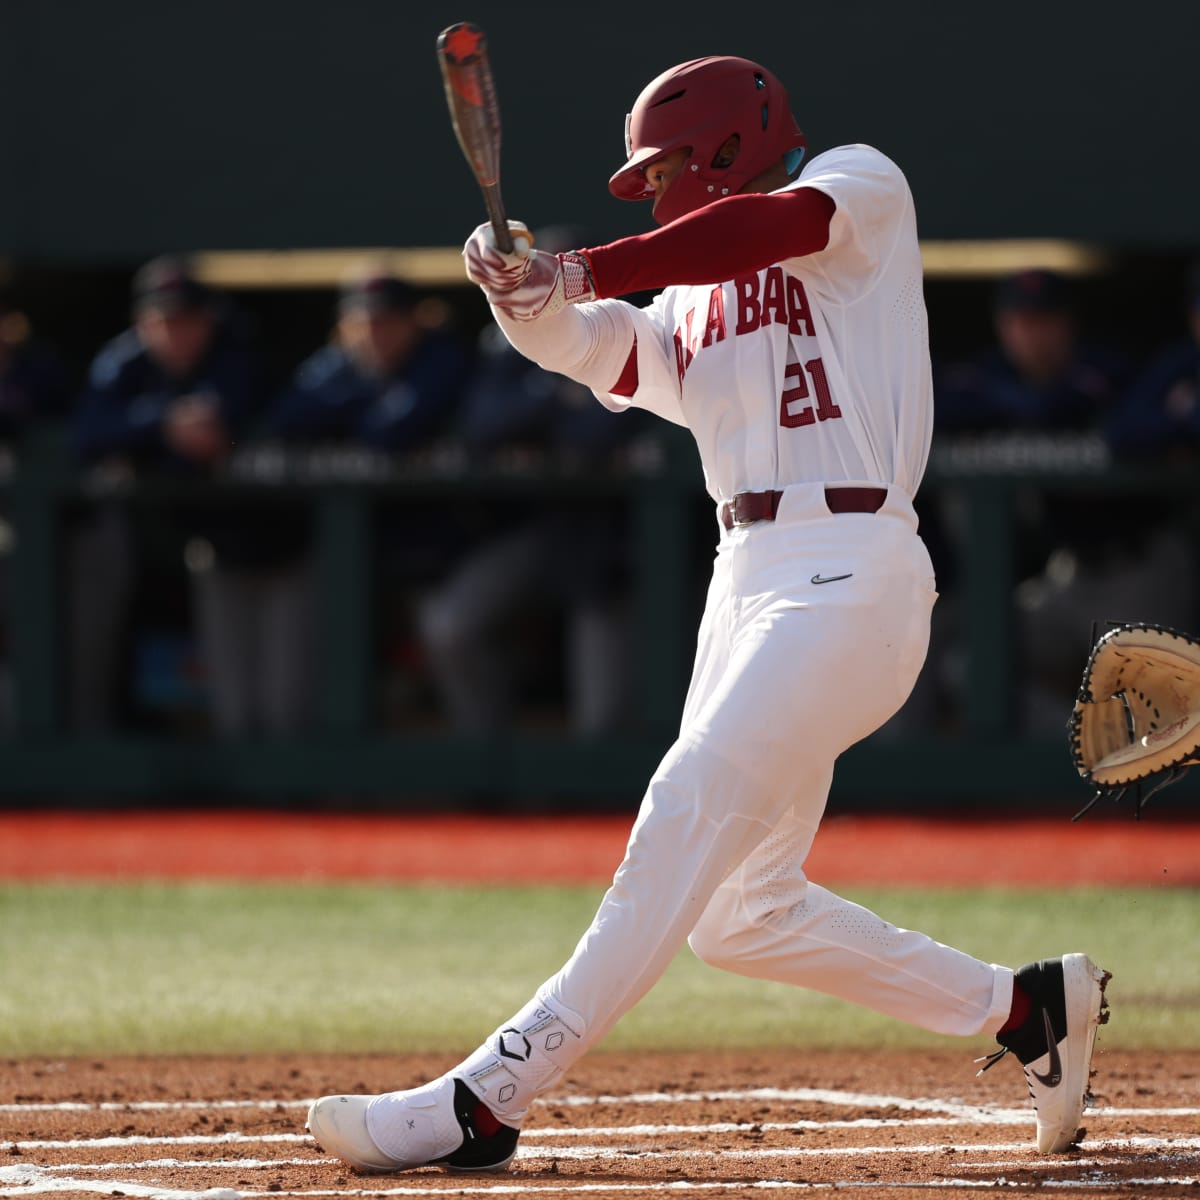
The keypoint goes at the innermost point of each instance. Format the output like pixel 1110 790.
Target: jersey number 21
pixel 793 412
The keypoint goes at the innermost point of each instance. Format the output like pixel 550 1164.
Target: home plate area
pixel 624 1125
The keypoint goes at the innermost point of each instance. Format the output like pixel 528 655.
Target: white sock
pixel 522 1058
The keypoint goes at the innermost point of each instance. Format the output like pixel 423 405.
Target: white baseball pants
pixel 789 673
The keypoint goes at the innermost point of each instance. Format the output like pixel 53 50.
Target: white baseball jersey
pixel 816 369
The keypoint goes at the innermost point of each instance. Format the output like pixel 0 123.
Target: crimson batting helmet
pixel 701 104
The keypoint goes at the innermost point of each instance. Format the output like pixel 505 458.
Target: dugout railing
pixel 347 756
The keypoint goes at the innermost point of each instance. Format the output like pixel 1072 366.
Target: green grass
pixel 160 968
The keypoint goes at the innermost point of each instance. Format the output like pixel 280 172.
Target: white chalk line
pixel 600 1151
pixel 956 1109
pixel 1074 1162
pixel 197 1164
pixel 777 1185
pixel 265 1164
pixel 33 1183
pixel 149 1105
pixel 683 1185
pixel 827 1096
pixel 998 1117
pixel 956 1113
pixel 115 1143
pixel 755 1152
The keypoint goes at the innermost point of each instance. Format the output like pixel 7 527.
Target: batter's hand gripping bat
pixel 475 114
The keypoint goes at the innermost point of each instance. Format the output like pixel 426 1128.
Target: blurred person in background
pixel 169 398
pixel 1119 556
pixel 1159 418
pixel 33 389
pixel 573 559
pixel 389 380
pixel 1039 375
pixel 1081 557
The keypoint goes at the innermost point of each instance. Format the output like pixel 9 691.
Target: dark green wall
pixel 134 126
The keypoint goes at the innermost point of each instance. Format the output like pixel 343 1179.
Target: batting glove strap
pixel 579 284
pixel 554 281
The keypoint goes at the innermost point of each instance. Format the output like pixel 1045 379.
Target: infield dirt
pixel 623 1126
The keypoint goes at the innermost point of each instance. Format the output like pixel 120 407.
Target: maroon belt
pixel 747 507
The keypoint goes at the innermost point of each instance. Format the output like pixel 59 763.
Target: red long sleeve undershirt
pixel 726 238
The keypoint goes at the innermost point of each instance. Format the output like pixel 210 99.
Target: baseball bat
pixel 475 115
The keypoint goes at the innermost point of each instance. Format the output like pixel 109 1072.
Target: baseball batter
pixel 790 337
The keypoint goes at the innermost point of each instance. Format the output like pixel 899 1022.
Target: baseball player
pixel 790 338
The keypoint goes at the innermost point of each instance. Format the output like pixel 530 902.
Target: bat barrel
pixel 475 115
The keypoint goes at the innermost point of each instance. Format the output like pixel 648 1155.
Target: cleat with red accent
pixel 443 1124
pixel 1055 1041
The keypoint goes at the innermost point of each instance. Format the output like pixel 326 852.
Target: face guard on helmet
pixel 701 104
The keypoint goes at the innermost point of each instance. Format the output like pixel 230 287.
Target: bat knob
pixel 461 44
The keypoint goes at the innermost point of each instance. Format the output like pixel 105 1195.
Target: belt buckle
pixel 739 522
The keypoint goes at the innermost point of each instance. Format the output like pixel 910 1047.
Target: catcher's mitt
pixel 1137 717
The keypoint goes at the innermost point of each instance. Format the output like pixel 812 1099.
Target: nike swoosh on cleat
pixel 1052 1077
pixel 818 578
